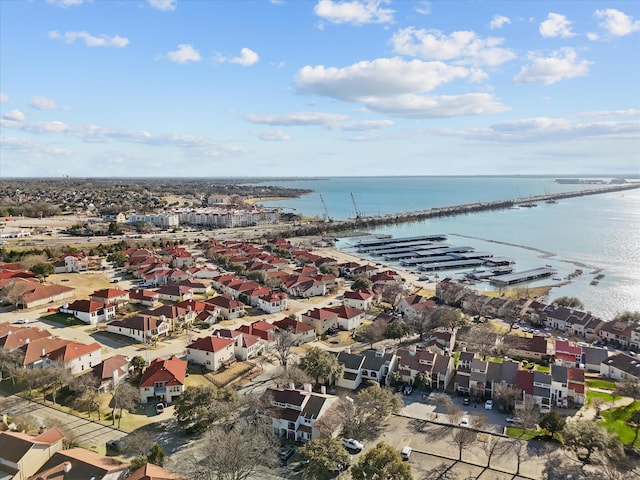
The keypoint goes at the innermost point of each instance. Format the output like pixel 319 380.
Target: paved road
pixel 90 434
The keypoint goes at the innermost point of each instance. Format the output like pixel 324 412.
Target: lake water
pixel 599 232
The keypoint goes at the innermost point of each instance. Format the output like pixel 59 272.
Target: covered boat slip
pixel 450 264
pixel 373 243
pixel 520 277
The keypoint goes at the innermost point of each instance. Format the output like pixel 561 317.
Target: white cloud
pixel 424 106
pixel 275 135
pixel 424 8
pixel 499 21
pixel 247 58
pixel 47 127
pixel 24 145
pixel 42 103
pixel 616 22
pixel 465 46
pixel 297 119
pixel 164 5
pixel 90 40
pixel 593 36
pixel 184 54
pixel 631 112
pixel 561 65
pixel 556 25
pixel 355 12
pixel 542 128
pixel 362 126
pixel 66 3
pixel 14 116
pixel 380 77
pixel 3 98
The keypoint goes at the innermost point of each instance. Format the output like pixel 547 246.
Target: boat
pixel 529 205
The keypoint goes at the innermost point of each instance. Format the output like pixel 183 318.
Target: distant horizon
pixel 192 88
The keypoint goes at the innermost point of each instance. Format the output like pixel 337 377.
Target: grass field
pixel 64 320
pixel 84 283
pixel 615 422
pixel 603 384
pixel 605 396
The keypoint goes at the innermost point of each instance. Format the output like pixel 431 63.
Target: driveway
pixel 89 433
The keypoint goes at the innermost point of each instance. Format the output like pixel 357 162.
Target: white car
pixel 488 405
pixel 23 320
pixel 464 422
pixel 405 453
pixel 352 444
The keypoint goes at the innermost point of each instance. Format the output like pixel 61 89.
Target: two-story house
pixel 211 352
pixel 144 329
pixel 163 380
pixel 89 311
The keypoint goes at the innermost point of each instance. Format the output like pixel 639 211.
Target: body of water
pixel 599 233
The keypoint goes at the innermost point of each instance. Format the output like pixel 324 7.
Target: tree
pixel 324 455
pixel 70 439
pixel 529 414
pixel 569 302
pixel 463 438
pixel 125 396
pixel 597 403
pixel 374 332
pixel 552 422
pixel 363 415
pixel 392 293
pixel 494 446
pixel 117 258
pixel 10 362
pixel 361 283
pixel 397 329
pixel 13 293
pixel 234 453
pixel 292 375
pixel 283 341
pixel 446 317
pixel 43 270
pixel 321 365
pixel 421 321
pixel 628 388
pixel 585 438
pixel 442 401
pixel 381 463
pixel 627 317
pixel 481 339
pixel 156 455
pixel 257 276
pixel 138 364
pixel 200 406
pixel 55 378
pixel 505 396
pixel 634 422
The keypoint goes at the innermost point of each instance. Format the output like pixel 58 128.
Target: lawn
pixel 615 422
pixel 605 396
pixel 64 320
pixel 540 434
pixel 602 384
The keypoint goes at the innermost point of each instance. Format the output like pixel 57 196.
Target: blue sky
pixel 214 88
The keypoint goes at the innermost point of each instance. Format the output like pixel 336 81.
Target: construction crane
pixel 355 207
pixel 326 216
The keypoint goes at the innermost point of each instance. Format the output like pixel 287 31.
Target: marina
pixel 521 277
pixel 371 243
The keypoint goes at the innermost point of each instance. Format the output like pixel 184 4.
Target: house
pixel 412 306
pixel 618 333
pixel 265 330
pixel 297 412
pixel 352 369
pixel 175 315
pixel 36 294
pixel 301 332
pixel 568 354
pixel 441 341
pixel 144 329
pixel 349 318
pixel 148 298
pixel 150 471
pixel 229 308
pixel 537 387
pixel 463 372
pixel 174 293
pixel 532 348
pixel 75 263
pixel 110 296
pixel 211 352
pixel 435 370
pixel 273 302
pixel 321 319
pixel 163 380
pixel 22 455
pixel 567 386
pixel 75 357
pixel 246 346
pixel 13 337
pixel 111 372
pixel 593 357
pixel 89 311
pixel 361 299
pixel 202 287
pixel 621 367
pixel 81 464
pixel 377 365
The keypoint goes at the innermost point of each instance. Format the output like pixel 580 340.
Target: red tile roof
pixel 210 344
pixel 171 372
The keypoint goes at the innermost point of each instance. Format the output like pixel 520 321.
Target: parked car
pixel 512 420
pixel 352 444
pixel 466 401
pixel 464 422
pixel 159 408
pixel 286 453
pixel 23 320
pixel 408 389
pixel 488 405
pixel 405 453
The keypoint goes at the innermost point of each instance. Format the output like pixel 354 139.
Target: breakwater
pixel 335 227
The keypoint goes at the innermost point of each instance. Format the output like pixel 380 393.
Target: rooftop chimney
pixel 66 467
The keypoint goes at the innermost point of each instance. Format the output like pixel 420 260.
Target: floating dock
pixel 367 244
pixel 450 265
pixel 520 277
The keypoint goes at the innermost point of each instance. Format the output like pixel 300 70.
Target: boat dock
pixel 373 243
pixel 450 265
pixel 520 277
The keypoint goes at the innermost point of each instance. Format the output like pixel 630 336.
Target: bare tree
pixel 481 339
pixel 56 378
pixel 70 439
pixel 10 362
pixel 283 342
pixel 505 395
pixel 447 317
pixel 442 401
pixel 292 375
pixel 494 446
pixel 88 397
pixel 392 293
pixel 373 332
pixel 125 396
pixel 529 414
pixel 463 438
pixel 13 293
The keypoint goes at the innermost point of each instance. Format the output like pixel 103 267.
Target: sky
pixel 278 88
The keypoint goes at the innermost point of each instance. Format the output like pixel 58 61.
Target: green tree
pixel 324 455
pixel 321 365
pixel 397 329
pixel 10 362
pixel 156 455
pixel 361 283
pixel 585 438
pixel 381 463
pixel 138 364
pixel 569 302
pixel 634 422
pixel 43 269
pixel 628 317
pixel 118 258
pixel 552 422
pixel 363 415
pixel 200 406
pixel 257 276
pixel 374 332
